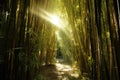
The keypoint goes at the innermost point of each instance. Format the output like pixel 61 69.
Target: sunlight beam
pixel 52 18
pixel 55 20
pixel 58 36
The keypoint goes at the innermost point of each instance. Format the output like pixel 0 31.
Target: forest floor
pixel 60 71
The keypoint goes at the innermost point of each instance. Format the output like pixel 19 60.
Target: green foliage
pixel 90 60
pixel 39 77
pixel 91 38
pixel 31 60
pixel 34 40
pixel 85 78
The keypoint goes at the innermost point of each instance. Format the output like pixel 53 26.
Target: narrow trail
pixel 59 71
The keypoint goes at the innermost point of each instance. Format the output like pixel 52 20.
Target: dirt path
pixel 58 72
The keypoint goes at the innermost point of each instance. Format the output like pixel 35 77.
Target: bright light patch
pixel 55 20
pixel 58 36
pixel 63 67
pixel 52 18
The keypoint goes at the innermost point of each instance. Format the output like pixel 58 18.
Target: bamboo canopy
pixel 85 32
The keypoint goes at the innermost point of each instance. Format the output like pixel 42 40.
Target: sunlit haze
pixel 55 20
pixel 58 36
pixel 52 18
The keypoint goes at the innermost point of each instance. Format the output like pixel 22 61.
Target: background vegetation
pixel 91 40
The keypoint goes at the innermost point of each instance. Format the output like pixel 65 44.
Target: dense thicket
pixel 95 25
pixel 27 41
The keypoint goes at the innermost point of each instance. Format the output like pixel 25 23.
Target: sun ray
pixel 52 18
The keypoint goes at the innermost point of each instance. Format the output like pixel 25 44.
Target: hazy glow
pixel 52 18
pixel 58 36
pixel 55 20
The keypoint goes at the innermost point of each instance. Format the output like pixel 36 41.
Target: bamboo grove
pixel 92 40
